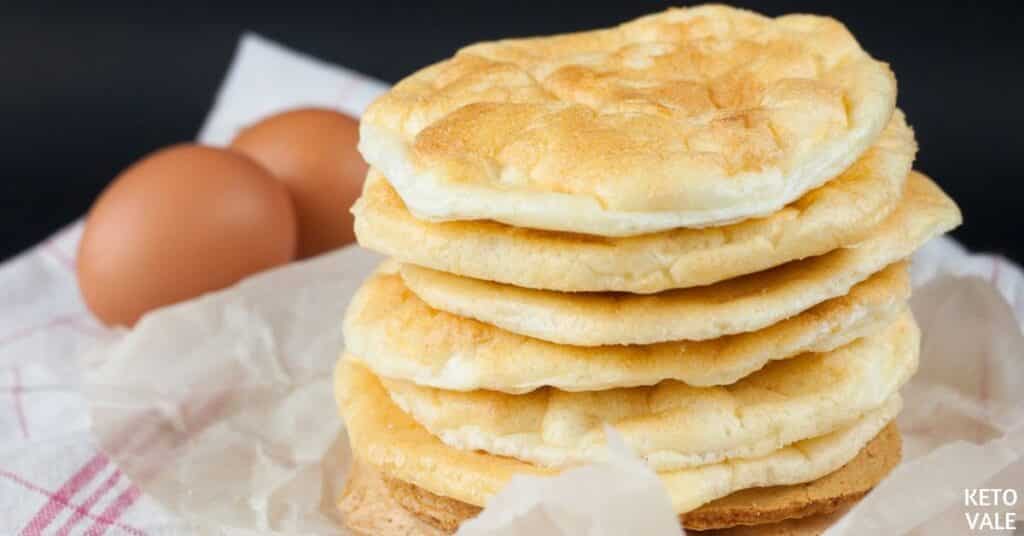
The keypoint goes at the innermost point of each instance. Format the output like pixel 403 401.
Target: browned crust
pixel 770 505
pixel 370 510
pixel 796 510
pixel 435 510
pixel 800 526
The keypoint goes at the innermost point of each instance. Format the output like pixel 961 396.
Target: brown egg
pixel 182 221
pixel 313 151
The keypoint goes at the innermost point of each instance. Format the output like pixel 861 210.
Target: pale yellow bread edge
pixel 672 425
pixel 374 504
pixel 388 439
pixel 396 335
pixel 842 212
pixel 743 304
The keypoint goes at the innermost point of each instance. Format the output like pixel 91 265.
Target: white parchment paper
pixel 221 408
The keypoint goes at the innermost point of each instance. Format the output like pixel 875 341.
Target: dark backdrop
pixel 86 89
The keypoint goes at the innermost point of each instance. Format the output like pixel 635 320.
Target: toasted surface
pixel 691 117
pixel 672 425
pixel 739 305
pixel 391 331
pixel 801 509
pixel 368 509
pixel 393 443
pixel 774 504
pixel 813 525
pixel 841 212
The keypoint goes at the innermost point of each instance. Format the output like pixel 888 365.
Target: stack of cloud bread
pixel 693 227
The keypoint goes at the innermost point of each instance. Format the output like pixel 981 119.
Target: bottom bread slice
pixel 377 504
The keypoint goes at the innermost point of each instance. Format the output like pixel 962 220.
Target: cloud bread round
pixel 672 425
pixel 395 334
pixel 394 444
pixel 687 118
pixel 375 504
pixel 739 305
pixel 841 212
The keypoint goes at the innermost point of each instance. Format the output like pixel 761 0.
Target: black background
pixel 87 89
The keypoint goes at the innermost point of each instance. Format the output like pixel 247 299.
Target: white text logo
pixel 998 500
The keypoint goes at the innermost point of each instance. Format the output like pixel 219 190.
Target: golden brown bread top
pixel 713 111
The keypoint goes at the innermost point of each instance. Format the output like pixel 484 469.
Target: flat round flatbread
pixel 840 213
pixel 688 118
pixel 397 446
pixel 739 305
pixel 394 333
pixel 672 425
pixel 373 504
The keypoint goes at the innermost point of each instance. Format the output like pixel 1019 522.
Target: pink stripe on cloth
pixel 114 511
pixel 32 487
pixel 16 395
pixel 60 500
pixel 77 516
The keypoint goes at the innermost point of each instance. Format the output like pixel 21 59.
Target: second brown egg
pixel 313 151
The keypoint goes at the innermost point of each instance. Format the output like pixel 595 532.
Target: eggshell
pixel 181 222
pixel 313 151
